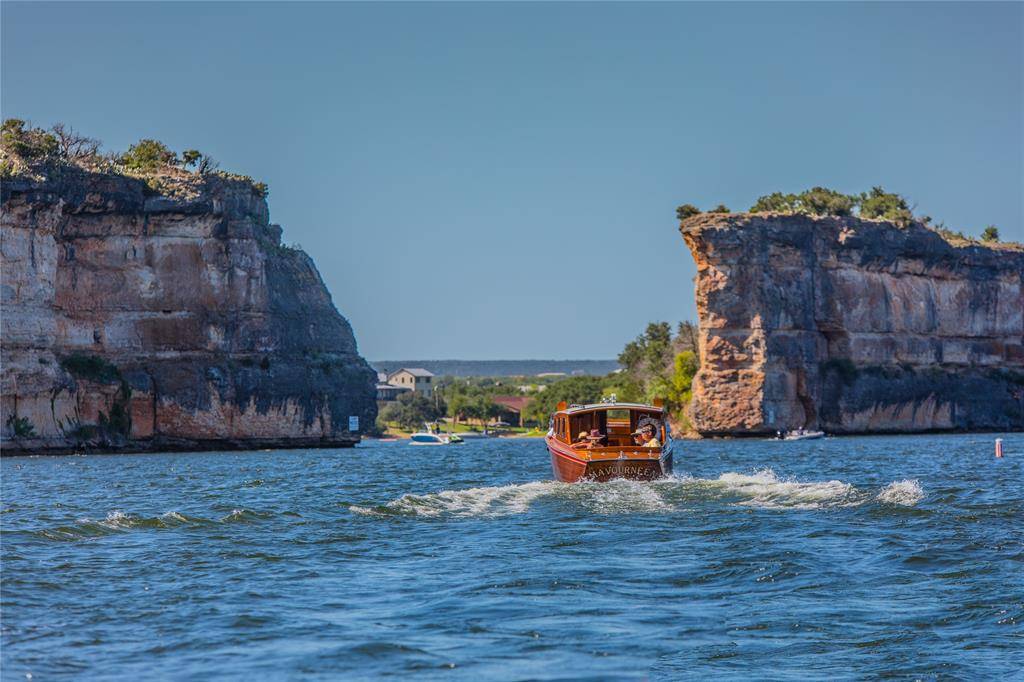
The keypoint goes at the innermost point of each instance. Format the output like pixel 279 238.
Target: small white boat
pixel 428 438
pixel 431 435
pixel 800 434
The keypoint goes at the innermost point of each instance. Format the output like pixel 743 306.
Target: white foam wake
pixel 762 489
pixel 492 501
pixel 765 490
pixel 905 493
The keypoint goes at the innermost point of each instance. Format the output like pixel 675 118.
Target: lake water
pixel 839 558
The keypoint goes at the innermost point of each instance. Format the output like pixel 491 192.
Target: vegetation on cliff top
pixel 37 153
pixel 874 205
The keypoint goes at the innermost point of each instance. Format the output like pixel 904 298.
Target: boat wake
pixel 762 489
pixel 904 493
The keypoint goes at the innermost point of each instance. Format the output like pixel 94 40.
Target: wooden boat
pixel 615 455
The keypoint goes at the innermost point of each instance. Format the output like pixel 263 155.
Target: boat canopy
pixel 576 409
pixel 615 421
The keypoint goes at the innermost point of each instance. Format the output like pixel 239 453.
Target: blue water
pixel 841 558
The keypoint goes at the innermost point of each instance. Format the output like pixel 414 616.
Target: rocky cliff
pixel 853 326
pixel 140 319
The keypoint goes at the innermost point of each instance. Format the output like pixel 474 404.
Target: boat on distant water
pixel 608 440
pixel 800 434
pixel 431 435
pixel 427 438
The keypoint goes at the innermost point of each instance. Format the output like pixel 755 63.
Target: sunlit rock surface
pixel 853 326
pixel 133 320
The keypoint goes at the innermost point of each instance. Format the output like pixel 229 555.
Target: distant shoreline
pixel 502 368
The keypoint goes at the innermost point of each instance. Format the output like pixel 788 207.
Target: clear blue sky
pixel 444 163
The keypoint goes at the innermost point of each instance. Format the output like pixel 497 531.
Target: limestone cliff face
pixel 853 326
pixel 133 320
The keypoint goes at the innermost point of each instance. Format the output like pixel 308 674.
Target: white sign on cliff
pixel 353 424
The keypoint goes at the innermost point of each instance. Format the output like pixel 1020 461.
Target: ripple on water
pixel 861 556
pixel 118 521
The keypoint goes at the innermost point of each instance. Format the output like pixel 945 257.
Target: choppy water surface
pixel 858 557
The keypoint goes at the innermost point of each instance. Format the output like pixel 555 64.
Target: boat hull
pixel 569 468
pixel 814 435
pixel 426 439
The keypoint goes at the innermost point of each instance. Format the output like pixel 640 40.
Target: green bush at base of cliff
pixel 21 427
pixel 118 420
pixel 91 367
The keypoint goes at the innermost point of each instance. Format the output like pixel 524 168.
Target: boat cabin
pixel 616 422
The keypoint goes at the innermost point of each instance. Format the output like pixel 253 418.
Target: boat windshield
pixel 615 426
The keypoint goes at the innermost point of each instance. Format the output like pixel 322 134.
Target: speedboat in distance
pixel 609 440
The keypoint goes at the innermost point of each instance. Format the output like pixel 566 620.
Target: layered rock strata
pixel 853 326
pixel 132 320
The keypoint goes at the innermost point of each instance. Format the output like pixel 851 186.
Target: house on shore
pixel 413 378
pixel 512 407
pixel 387 393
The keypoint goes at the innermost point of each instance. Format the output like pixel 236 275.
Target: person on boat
pixel 585 441
pixel 647 434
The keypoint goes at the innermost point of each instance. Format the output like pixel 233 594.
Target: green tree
pixel 879 204
pixel 990 234
pixel 658 348
pixel 31 144
pixel 686 211
pixel 573 390
pixel 190 157
pixel 411 410
pixel 686 366
pixel 776 202
pixel 825 201
pixel 721 208
pixel 649 352
pixel 148 156
pixel 624 387
pixel 632 356
pixel 686 337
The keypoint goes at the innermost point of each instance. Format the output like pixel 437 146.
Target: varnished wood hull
pixel 569 468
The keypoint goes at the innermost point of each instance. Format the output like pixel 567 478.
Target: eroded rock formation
pixel 134 320
pixel 853 326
